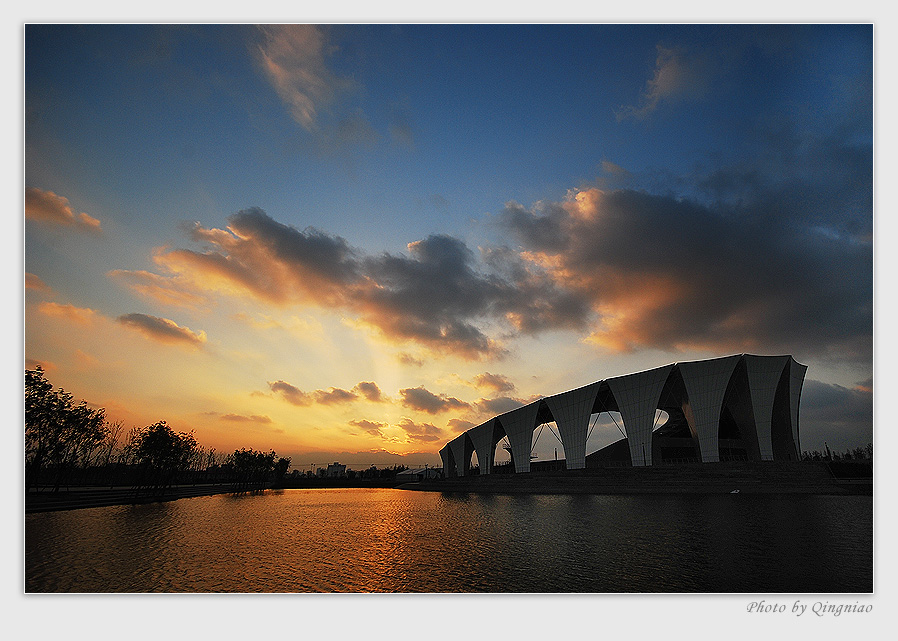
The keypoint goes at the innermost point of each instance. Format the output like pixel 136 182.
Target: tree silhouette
pixel 58 432
pixel 252 468
pixel 280 469
pixel 162 454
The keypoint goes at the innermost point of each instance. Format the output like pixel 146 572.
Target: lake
pixel 387 540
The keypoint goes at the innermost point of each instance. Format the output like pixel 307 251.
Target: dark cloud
pixel 499 405
pixel 295 396
pixel 419 398
pixel 434 296
pixel 408 359
pixel 240 418
pixel 458 425
pixel 420 432
pixel 671 273
pixel 372 428
pixel 839 416
pixel 290 393
pixel 771 253
pixel 333 396
pixel 163 329
pixel 370 391
pixel 494 382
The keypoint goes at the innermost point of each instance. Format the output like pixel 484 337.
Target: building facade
pixel 737 407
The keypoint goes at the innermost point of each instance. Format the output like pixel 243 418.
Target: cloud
pixel 419 398
pixel 333 396
pixel 47 207
pixel 36 284
pixel 293 59
pixel 290 393
pixel 370 391
pixel 458 425
pixel 162 289
pixel 240 418
pixel 771 254
pixel 675 274
pixel 499 405
pixel 435 296
pixel 163 329
pixel 420 432
pixel 330 396
pixel 679 75
pixel 494 382
pixel 372 428
pixel 408 359
pixel 78 315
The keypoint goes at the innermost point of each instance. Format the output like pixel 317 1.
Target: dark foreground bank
pixel 700 478
pixel 87 497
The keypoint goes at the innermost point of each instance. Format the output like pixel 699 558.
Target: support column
pixel 764 373
pixel 706 384
pixel 797 372
pixel 484 439
pixel 448 463
pixel 637 397
pixel 461 451
pixel 519 425
pixel 571 411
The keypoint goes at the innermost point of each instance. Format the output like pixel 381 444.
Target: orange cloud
pixel 78 315
pixel 165 290
pixel 34 282
pixel 47 207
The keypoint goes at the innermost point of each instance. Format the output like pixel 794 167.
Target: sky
pixel 351 242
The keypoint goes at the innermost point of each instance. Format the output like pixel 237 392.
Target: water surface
pixel 386 540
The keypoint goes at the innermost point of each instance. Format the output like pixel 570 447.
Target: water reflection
pixel 394 541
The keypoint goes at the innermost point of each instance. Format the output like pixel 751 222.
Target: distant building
pixel 335 471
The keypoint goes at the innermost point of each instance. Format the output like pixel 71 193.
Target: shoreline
pixel 701 478
pixel 104 496
pixel 697 478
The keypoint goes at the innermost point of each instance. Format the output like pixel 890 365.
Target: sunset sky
pixel 352 242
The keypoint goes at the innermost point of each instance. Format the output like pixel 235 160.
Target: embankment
pixel 698 478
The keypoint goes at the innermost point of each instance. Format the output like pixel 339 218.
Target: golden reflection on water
pixel 384 540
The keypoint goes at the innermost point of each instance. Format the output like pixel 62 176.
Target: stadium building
pixel 741 407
